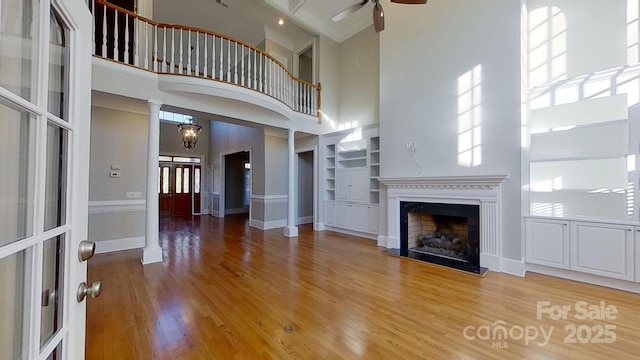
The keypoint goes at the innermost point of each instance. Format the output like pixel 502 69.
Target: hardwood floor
pixel 227 291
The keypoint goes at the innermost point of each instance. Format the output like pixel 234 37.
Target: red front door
pixel 178 184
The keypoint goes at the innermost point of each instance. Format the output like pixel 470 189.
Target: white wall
pixel 360 79
pixel 117 138
pixel 329 77
pixel 419 88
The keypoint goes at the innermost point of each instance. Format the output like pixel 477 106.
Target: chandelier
pixel 190 131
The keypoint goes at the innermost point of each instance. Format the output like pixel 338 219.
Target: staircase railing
pixel 125 37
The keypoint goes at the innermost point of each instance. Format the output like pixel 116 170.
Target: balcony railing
pixel 123 36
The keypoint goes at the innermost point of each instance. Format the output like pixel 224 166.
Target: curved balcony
pixel 125 37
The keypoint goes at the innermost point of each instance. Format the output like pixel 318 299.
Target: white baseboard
pixel 352 233
pixel 513 267
pixel 236 211
pixel 319 227
pixel 268 225
pixel 108 246
pixel 491 262
pixel 585 278
pixel 382 241
pixel 215 213
pixel 304 220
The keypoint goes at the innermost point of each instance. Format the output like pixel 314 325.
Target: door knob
pixel 84 290
pixel 86 249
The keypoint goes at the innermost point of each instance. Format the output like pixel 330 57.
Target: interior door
pixel 44 132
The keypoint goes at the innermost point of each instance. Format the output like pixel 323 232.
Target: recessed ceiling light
pixel 280 22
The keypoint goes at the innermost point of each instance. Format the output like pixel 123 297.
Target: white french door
pixel 45 97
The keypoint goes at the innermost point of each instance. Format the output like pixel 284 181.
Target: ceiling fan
pixel 378 14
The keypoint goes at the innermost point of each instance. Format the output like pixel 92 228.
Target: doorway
pixel 305 185
pixel 237 180
pixel 179 186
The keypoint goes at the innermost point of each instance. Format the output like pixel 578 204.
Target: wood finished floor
pixel 226 291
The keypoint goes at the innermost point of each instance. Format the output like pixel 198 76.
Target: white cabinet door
pixel 343 215
pixel 547 242
pixel 374 220
pixel 343 185
pixel 360 185
pixel 637 258
pixel 360 217
pixel 603 249
pixel 329 213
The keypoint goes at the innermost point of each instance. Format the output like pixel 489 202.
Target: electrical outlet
pixel 133 194
pixel 411 144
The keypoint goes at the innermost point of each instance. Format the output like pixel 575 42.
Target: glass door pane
pixel 17 146
pixel 56 189
pixel 58 59
pixel 52 277
pixel 14 324
pixel 19 46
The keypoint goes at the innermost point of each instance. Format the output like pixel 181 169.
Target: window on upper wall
pixel 580 138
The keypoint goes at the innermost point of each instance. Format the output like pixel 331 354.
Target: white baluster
pixel 228 60
pixel 242 68
pixel 255 65
pixel 164 49
pixel 249 69
pixel 116 52
pixel 126 38
pixel 104 31
pixel 146 46
pixel 181 64
pixel 235 64
pixel 173 51
pixel 136 32
pixel 221 57
pixel 155 49
pixel 206 40
pixel 213 57
pixel 260 85
pixel 189 51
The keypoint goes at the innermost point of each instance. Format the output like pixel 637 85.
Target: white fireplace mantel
pixel 445 182
pixel 484 191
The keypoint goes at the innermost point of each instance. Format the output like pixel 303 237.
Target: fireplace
pixel 456 201
pixel 442 234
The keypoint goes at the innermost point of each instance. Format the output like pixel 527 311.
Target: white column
pixel 291 230
pixel 152 250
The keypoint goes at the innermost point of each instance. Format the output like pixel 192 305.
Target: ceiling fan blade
pixel 378 17
pixel 350 10
pixel 409 1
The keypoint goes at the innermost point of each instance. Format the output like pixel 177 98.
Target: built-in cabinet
pixel 581 177
pixel 351 189
pixel 597 248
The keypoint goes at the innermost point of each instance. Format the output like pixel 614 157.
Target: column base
pixel 151 255
pixel 291 231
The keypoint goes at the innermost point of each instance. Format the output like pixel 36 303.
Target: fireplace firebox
pixel 442 234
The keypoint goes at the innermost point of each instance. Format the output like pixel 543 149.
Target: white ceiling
pixel 246 19
pixel 316 15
